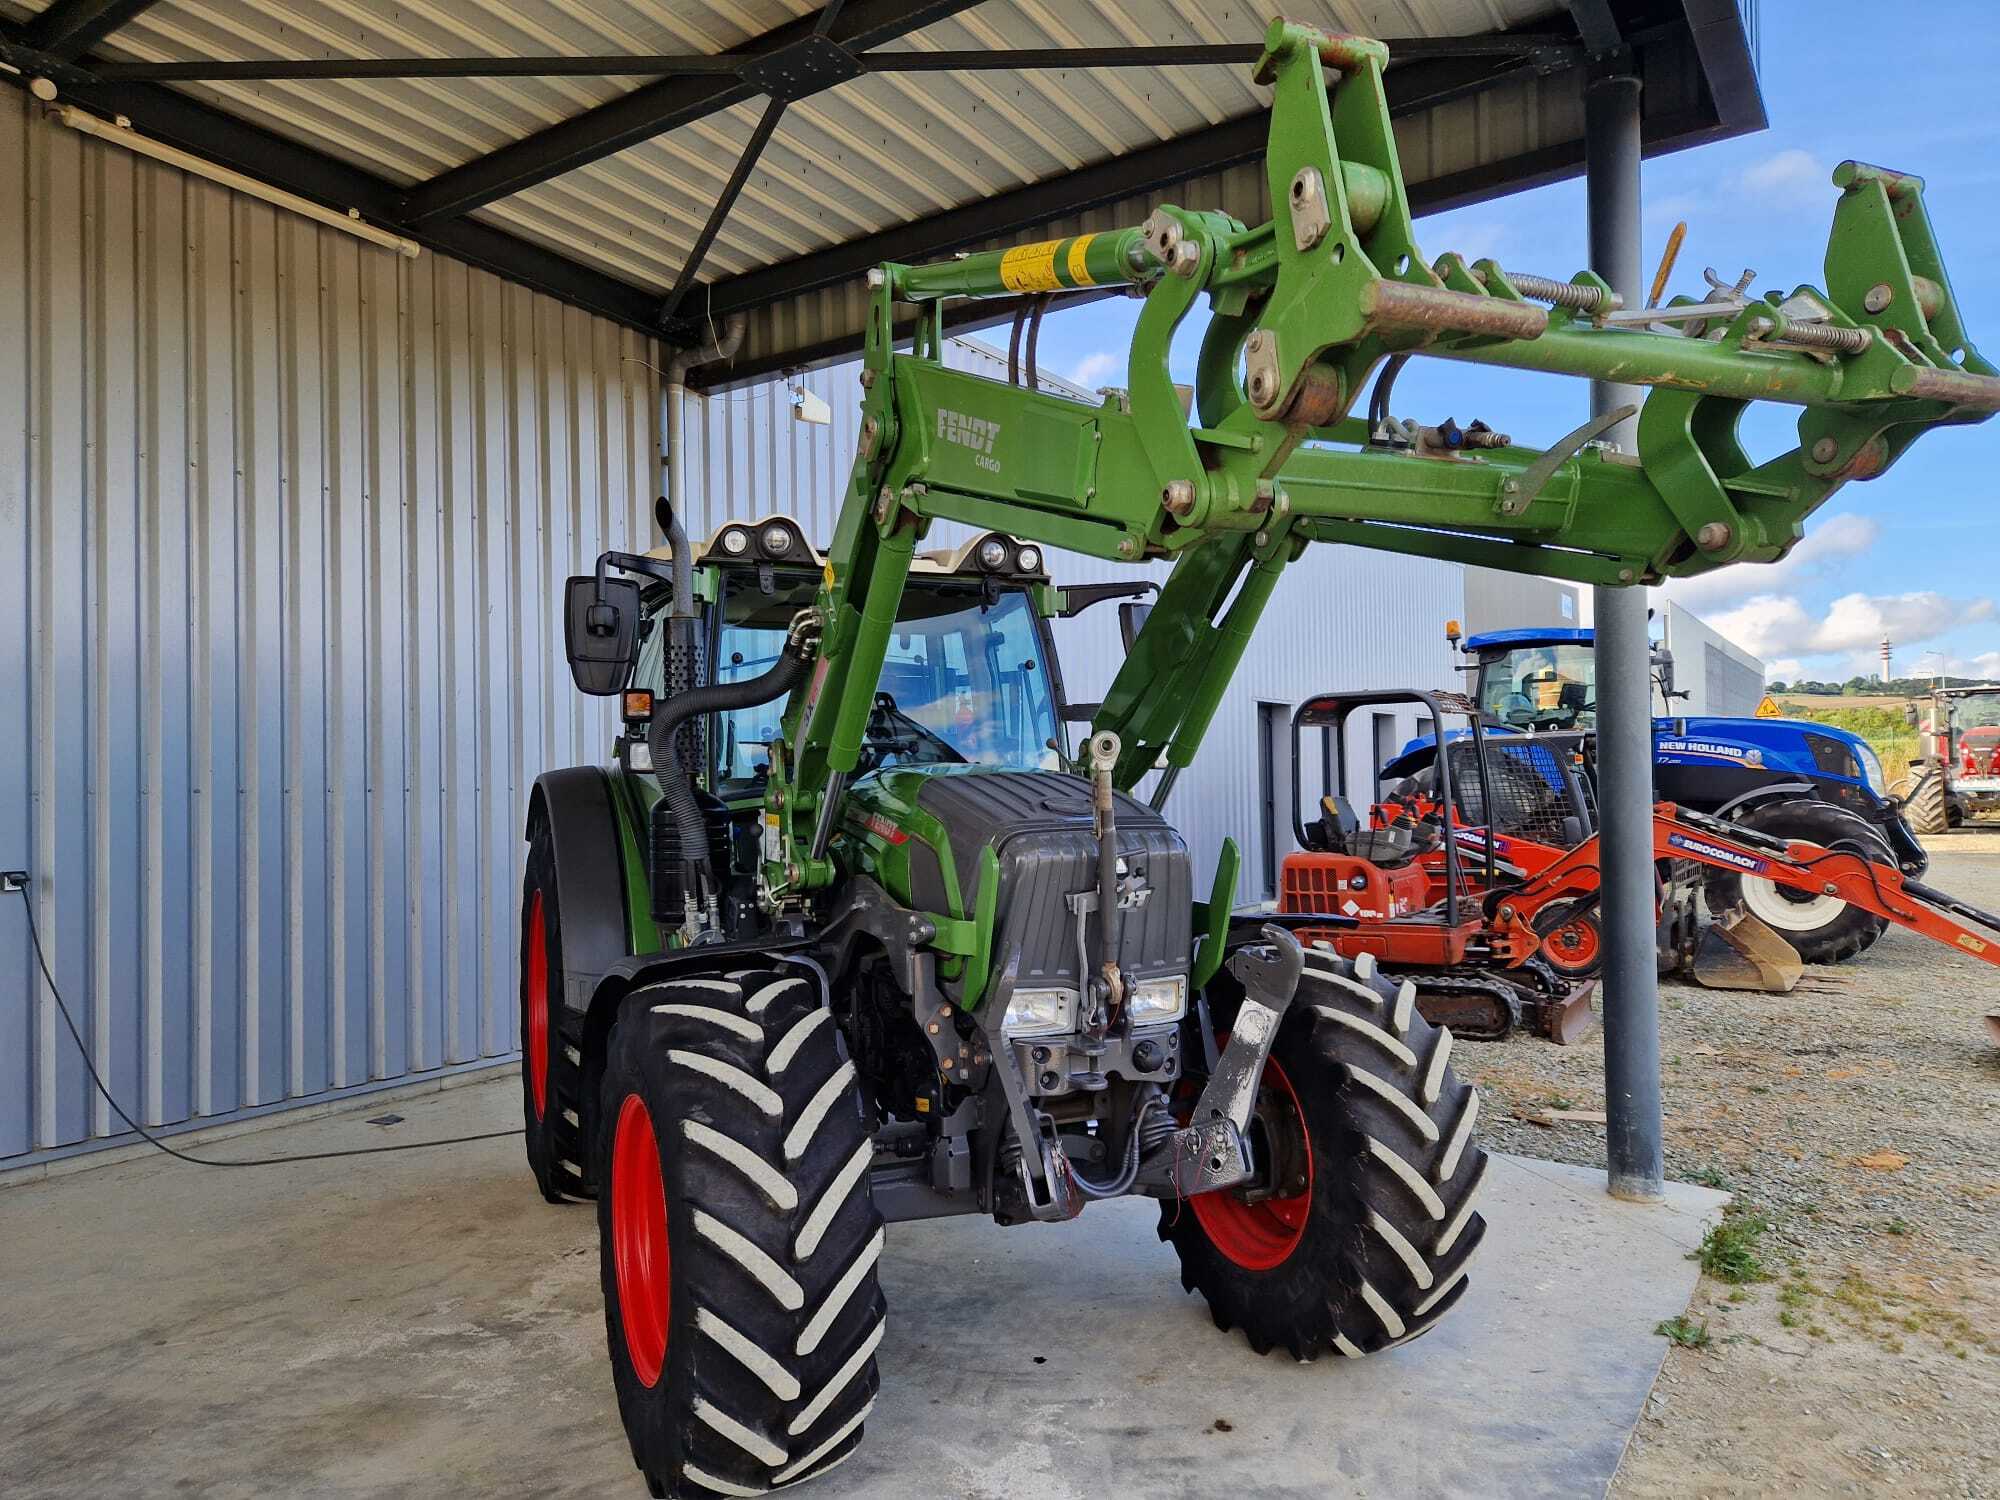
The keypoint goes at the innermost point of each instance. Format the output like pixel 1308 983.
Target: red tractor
pixel 1960 773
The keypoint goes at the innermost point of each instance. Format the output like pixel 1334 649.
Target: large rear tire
pixel 1823 929
pixel 737 1239
pixel 1362 1239
pixel 551 1094
pixel 1929 809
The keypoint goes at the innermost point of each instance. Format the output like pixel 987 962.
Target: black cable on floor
pixel 35 937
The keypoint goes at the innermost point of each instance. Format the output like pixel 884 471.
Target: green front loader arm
pixel 1304 309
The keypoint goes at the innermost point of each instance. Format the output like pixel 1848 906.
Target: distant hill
pixel 1896 688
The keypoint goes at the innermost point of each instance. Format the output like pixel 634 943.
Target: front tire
pixel 1823 929
pixel 551 1098
pixel 737 1239
pixel 1362 1240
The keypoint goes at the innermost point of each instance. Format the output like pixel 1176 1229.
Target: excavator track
pixel 1488 1005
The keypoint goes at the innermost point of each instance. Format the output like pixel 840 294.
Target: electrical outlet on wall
pixel 13 880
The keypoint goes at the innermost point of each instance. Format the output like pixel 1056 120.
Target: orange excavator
pixel 1454 881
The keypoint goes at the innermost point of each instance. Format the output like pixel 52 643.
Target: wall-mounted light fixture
pixel 808 407
pixel 121 134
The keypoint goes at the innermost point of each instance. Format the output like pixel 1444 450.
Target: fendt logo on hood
pixel 975 433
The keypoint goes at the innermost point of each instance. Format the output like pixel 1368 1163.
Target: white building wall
pixel 1718 675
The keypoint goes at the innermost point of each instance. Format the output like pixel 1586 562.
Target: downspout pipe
pixel 722 346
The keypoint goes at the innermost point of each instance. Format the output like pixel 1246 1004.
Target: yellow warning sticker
pixel 1769 708
pixel 1079 272
pixel 1030 268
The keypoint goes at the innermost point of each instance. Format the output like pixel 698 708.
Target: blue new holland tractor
pixel 1791 778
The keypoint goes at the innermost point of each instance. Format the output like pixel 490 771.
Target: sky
pixel 1911 553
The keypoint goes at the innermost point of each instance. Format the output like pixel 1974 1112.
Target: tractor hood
pixel 924 833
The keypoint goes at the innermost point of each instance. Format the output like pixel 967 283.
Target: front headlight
pixel 1039 1012
pixel 1153 1002
pixel 1871 769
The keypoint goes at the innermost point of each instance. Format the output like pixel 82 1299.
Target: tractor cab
pixel 1535 679
pixel 968 678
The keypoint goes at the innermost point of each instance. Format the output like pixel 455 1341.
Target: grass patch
pixel 1710 1177
pixel 1897 1225
pixel 1728 1252
pixel 1684 1333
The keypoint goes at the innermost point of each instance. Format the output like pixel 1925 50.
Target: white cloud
pixel 1825 548
pixel 1094 369
pixel 1779 625
pixel 1985 664
pixel 1789 176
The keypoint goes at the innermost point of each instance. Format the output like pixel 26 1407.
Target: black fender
pixel 1769 791
pixel 590 878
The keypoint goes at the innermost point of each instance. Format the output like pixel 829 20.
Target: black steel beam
pixel 1728 63
pixel 729 65
pixel 652 110
pixel 1597 25
pixel 746 162
pixel 1235 54
pixel 602 65
pixel 1411 88
pixel 173 117
pixel 70 28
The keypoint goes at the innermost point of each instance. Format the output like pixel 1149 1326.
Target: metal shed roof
pixel 600 146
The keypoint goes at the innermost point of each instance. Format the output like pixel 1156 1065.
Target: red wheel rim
pixel 535 979
pixel 1573 945
pixel 1259 1236
pixel 639 1240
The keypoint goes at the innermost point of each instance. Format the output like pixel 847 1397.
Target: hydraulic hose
pixel 1128 1172
pixel 676 779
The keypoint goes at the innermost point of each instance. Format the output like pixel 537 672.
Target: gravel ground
pixel 1857 1117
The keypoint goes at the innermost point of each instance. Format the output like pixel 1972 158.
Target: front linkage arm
pixel 1305 308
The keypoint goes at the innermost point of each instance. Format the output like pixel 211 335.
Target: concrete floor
pixel 423 1324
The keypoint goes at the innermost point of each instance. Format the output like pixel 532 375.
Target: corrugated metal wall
pixel 1340 618
pixel 283 524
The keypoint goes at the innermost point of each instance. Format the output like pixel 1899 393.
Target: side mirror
pixel 601 632
pixel 1132 620
pixel 1910 715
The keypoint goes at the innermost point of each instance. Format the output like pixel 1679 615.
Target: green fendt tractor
pixel 850 932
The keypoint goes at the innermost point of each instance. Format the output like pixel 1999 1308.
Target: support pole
pixel 1624 701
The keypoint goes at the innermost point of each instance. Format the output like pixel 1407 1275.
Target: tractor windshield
pixel 1977 711
pixel 1540 687
pixel 963 680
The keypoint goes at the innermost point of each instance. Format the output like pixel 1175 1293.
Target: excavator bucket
pixel 1738 952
